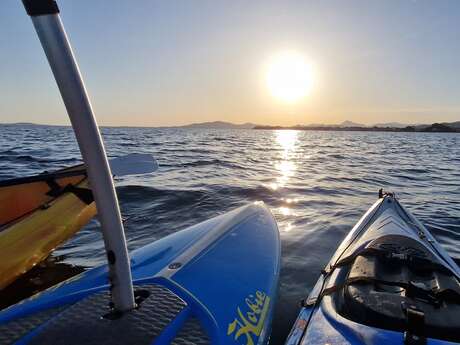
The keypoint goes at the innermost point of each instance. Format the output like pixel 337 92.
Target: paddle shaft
pixel 48 25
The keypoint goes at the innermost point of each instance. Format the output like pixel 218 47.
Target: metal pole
pixel 45 17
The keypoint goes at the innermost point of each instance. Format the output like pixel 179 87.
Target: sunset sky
pixel 160 63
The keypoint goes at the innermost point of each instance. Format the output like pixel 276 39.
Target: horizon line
pixel 227 122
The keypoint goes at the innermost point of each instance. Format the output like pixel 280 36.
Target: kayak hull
pixel 322 319
pixel 224 270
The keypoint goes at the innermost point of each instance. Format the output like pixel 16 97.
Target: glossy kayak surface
pixel 37 214
pixel 389 282
pixel 214 282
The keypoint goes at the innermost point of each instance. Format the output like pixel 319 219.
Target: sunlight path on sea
pixel 286 167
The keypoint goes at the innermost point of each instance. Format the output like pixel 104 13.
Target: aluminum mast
pixel 47 23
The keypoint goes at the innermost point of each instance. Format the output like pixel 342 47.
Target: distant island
pixel 452 127
pixel 444 127
pixel 25 124
pixel 220 125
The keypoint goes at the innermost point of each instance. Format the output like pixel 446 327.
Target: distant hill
pixel 23 124
pixel 391 124
pixel 317 125
pixel 440 128
pixel 220 125
pixel 347 123
pixel 384 127
pixel 455 124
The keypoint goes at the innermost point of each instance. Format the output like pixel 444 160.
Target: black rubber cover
pixel 40 7
pixel 395 278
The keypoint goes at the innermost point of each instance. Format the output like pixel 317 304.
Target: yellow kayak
pixel 37 214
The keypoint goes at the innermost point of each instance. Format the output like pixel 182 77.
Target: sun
pixel 289 77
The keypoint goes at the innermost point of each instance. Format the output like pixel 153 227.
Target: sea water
pixel 317 184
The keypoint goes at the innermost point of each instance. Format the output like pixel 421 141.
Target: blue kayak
pixel 214 282
pixel 389 282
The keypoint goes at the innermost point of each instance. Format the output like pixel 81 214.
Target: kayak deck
pixel 388 282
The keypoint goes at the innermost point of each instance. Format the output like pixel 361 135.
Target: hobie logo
pixel 250 323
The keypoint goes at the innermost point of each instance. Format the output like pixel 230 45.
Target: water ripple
pixel 317 185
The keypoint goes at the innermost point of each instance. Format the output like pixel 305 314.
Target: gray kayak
pixel 389 282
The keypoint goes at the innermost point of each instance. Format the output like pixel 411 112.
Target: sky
pixel 163 63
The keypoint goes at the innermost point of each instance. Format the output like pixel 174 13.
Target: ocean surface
pixel 317 184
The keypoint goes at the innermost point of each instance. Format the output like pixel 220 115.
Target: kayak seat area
pixel 90 321
pixel 396 283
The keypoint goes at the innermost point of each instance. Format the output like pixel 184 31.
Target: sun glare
pixel 289 77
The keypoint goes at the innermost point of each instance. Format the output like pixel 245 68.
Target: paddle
pixel 131 164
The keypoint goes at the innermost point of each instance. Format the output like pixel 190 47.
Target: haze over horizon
pixel 175 63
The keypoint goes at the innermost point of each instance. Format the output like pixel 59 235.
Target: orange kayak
pixel 37 214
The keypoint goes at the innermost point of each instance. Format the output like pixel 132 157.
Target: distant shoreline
pixel 434 128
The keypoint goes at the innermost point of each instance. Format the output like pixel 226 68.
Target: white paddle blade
pixel 133 164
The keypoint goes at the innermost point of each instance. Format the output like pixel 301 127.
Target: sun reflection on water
pixel 288 227
pixel 286 168
pixel 287 139
pixel 285 211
